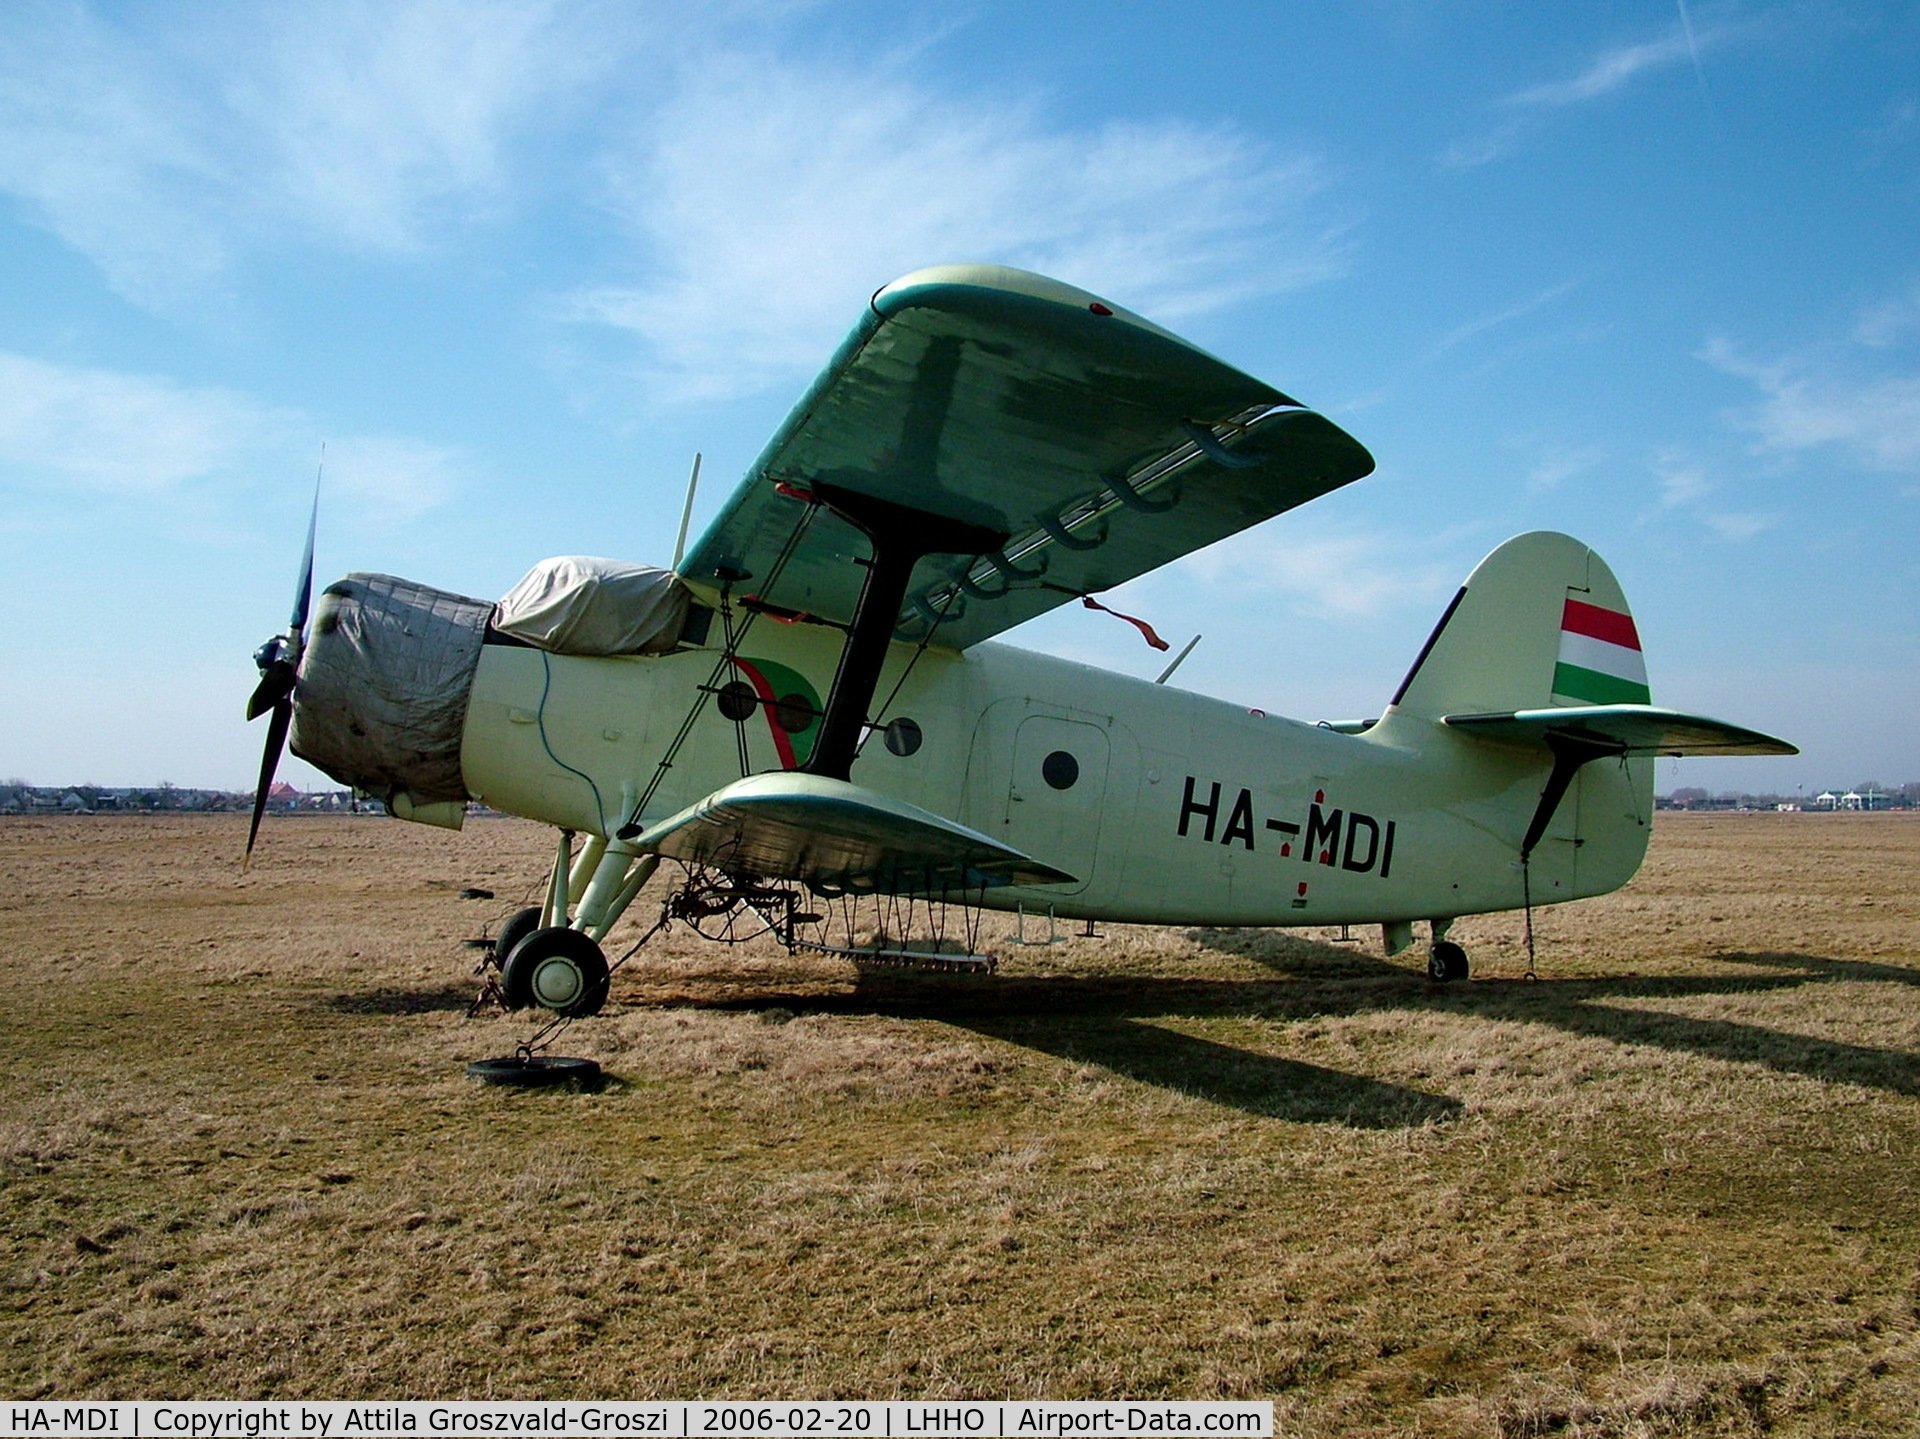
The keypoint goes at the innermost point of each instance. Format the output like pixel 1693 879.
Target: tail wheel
pixel 1446 962
pixel 559 969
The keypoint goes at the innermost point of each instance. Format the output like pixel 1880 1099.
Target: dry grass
pixel 1667 1189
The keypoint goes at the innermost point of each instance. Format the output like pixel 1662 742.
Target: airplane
pixel 810 708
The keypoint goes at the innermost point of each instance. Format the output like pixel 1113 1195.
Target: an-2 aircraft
pixel 809 706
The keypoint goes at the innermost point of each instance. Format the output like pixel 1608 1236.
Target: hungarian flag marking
pixel 1600 661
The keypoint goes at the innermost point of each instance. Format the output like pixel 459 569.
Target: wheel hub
pixel 557 983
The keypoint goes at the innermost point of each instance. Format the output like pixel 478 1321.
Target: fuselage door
pixel 1056 792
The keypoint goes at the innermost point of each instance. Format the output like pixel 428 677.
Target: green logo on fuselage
pixel 789 705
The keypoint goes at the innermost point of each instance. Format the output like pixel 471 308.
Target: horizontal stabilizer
pixel 1623 729
pixel 837 836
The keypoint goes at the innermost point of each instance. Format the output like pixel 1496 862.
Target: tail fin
pixel 1540 622
pixel 1540 628
pixel 1533 673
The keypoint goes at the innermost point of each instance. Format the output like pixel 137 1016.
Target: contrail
pixel 1693 48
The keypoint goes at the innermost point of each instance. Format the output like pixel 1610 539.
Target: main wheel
pixel 518 926
pixel 559 969
pixel 1446 961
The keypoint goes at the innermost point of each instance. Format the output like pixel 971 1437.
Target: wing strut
pixel 901 538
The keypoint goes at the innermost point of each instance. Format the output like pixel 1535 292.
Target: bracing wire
pixel 880 715
pixel 733 641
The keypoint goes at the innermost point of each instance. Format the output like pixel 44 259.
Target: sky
pixel 1647 273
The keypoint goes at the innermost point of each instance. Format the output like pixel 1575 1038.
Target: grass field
pixel 1669 1188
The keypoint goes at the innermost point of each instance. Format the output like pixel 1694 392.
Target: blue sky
pixel 1648 273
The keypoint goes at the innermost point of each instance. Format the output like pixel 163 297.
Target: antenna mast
pixel 686 513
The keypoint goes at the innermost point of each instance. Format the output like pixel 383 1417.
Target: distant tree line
pixel 19 797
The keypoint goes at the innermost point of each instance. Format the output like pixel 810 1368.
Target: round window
pixel 737 700
pixel 1060 769
pixel 794 713
pixel 903 737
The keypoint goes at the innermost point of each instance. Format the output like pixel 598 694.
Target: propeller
pixel 279 662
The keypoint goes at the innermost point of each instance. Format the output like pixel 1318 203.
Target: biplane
pixel 812 705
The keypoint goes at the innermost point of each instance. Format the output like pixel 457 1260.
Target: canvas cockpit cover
pixel 581 605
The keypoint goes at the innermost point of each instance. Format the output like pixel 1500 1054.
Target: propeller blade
pixel 279 661
pixel 276 685
pixel 303 595
pixel 269 762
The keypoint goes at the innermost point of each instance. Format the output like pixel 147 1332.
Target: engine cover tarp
pixel 382 697
pixel 580 605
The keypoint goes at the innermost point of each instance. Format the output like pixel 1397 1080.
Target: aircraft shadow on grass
pixel 1121 1023
pixel 1600 1008
pixel 1125 1024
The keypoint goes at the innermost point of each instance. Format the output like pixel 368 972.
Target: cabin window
pixel 1060 770
pixel 795 713
pixel 903 737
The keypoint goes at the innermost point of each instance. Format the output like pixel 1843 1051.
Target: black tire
pixel 1446 962
pixel 559 969
pixel 535 1072
pixel 519 925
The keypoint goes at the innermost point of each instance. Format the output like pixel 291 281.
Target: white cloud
pixel 1476 150
pixel 1560 465
pixel 1614 68
pixel 161 142
pixel 1609 71
pixel 767 196
pixel 118 434
pixel 378 120
pixel 772 199
pixel 1324 571
pixel 1689 488
pixel 1809 404
pixel 79 431
pixel 387 480
pixel 1737 526
pixel 1890 322
pixel 1474 328
pixel 1682 484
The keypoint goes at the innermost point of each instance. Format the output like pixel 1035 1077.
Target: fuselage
pixel 1166 806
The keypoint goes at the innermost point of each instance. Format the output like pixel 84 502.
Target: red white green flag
pixel 1600 660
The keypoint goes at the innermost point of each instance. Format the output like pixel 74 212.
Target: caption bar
pixel 154 1419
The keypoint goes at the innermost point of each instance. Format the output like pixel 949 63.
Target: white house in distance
pixel 1852 799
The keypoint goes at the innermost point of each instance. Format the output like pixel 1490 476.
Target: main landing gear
pixel 549 955
pixel 554 966
pixel 1446 961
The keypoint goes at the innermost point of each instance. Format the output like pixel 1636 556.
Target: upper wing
pixel 837 836
pixel 1630 729
pixel 1097 443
